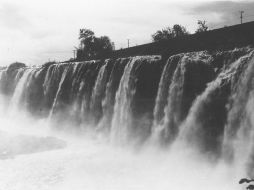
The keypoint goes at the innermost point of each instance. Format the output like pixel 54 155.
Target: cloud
pixel 35 31
pixel 223 13
pixel 11 17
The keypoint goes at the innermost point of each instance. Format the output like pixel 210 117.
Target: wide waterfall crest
pixel 201 99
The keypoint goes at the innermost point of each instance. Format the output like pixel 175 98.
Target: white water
pixel 34 155
pixel 21 85
pixel 122 119
pixel 91 163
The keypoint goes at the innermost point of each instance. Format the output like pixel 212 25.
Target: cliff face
pixel 201 99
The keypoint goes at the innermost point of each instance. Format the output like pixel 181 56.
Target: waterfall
pixel 238 135
pixel 165 81
pixel 200 100
pixel 135 99
pixel 58 93
pixel 99 90
pixel 108 101
pixel 20 90
pixel 122 110
pixel 2 78
pixel 205 124
pixel 183 78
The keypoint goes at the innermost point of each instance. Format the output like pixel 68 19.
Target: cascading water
pixel 111 88
pixel 199 103
pixel 19 95
pixel 180 83
pixel 204 127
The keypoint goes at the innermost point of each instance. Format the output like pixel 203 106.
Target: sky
pixel 37 31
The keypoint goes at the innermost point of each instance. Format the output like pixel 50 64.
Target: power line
pixel 74 54
pixel 248 16
pixel 56 52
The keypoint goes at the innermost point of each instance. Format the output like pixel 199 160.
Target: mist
pixel 129 123
pixel 29 160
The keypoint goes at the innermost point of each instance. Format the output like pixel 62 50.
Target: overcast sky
pixel 34 31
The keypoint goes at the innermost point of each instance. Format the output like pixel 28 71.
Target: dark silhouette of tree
pixel 179 30
pixel 103 46
pixel 86 34
pixel 202 26
pixel 86 37
pixel 92 47
pixel 169 33
pixel 163 34
pixel 245 180
pixel 250 187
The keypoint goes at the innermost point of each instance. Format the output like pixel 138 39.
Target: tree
pixel 86 37
pixel 163 34
pixel 85 34
pixel 202 26
pixel 169 33
pixel 102 46
pixel 179 30
pixel 93 47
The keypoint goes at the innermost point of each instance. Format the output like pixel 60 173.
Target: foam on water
pixel 131 123
pixel 86 161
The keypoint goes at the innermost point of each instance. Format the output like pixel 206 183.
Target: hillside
pixel 219 39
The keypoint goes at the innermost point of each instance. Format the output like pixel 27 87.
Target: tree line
pixel 177 31
pixel 92 47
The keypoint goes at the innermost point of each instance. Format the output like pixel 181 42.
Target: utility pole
pixel 241 16
pixel 74 54
pixel 113 46
pixel 128 42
